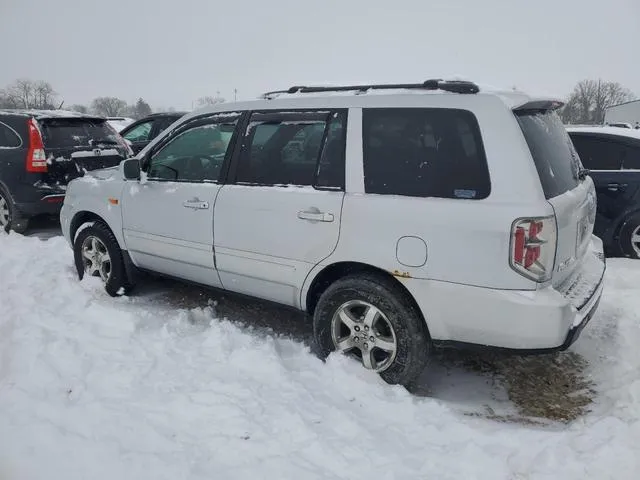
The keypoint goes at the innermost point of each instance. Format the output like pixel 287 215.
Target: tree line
pixel 586 104
pixel 40 95
pixel 590 99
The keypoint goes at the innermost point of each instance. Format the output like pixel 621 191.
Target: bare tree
pixel 208 100
pixel 5 101
pixel 591 98
pixel 79 108
pixel 109 106
pixel 25 93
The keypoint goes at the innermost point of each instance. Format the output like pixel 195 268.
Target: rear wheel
pixel 630 237
pixel 370 318
pixel 9 217
pixel 97 253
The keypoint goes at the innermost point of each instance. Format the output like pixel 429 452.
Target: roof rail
pixel 454 86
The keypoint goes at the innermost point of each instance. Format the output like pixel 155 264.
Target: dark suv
pixel 612 155
pixel 41 151
pixel 142 131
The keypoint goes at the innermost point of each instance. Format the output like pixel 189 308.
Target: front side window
pixel 293 148
pixel 424 152
pixel 194 155
pixel 8 137
pixel 139 133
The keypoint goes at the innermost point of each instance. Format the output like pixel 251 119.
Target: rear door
pixel 614 165
pixel 571 194
pixel 168 218
pixel 78 144
pixel 282 215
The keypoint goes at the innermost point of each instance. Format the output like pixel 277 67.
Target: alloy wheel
pixel 361 329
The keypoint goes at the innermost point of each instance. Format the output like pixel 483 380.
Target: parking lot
pixel 183 378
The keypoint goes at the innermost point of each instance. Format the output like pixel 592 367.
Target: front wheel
pixel 373 320
pixel 97 253
pixel 630 237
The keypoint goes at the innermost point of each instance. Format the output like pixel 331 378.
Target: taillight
pixel 36 159
pixel 533 247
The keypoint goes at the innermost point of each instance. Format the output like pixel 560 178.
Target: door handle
pixel 196 204
pixel 614 187
pixel 315 216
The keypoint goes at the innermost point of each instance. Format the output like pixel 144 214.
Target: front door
pixel 282 215
pixel 168 217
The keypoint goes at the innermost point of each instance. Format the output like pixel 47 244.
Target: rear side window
pixel 294 148
pixel 83 132
pixel 553 153
pixel 8 137
pixel 424 152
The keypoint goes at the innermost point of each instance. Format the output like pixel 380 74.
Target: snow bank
pixel 98 388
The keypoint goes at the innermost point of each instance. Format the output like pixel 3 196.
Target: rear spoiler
pixel 540 105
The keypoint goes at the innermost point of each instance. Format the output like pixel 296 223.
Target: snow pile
pixel 98 388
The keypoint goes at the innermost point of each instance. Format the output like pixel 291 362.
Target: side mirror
pixel 131 169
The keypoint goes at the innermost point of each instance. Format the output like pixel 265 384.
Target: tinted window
pixel 83 132
pixel 163 123
pixel 194 155
pixel 598 154
pixel 139 133
pixel 331 166
pixel 552 150
pixel 631 157
pixel 8 138
pixel 424 153
pixel 282 148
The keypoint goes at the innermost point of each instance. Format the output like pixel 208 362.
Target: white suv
pixel 398 216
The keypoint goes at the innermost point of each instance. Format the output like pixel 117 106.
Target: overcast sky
pixel 171 52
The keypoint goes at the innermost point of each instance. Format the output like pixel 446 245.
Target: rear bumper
pixel 535 321
pixel 39 201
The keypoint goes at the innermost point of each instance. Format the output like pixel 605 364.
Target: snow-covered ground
pixel 134 388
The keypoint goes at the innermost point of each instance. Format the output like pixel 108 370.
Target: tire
pixel 10 219
pixel 356 295
pixel 99 239
pixel 630 237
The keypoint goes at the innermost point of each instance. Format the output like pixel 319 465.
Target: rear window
pixel 553 152
pixel 424 152
pixel 84 132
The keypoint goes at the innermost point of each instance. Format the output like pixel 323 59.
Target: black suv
pixel 142 131
pixel 41 151
pixel 612 156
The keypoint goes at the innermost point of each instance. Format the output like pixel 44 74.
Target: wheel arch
pixel 86 216
pixel 335 271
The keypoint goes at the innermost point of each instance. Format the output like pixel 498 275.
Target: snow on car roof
pixel 50 113
pixel 605 130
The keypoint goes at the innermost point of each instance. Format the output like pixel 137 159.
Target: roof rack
pixel 454 86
